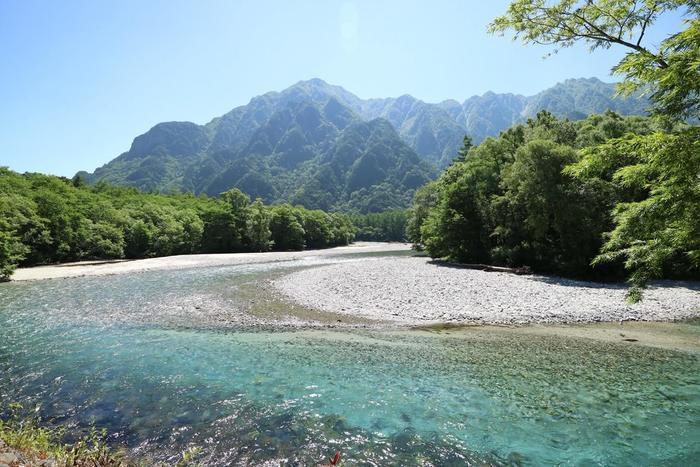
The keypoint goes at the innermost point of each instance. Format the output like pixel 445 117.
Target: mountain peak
pixel 317 144
pixel 313 82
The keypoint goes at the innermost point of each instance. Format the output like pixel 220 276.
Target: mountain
pixel 300 147
pixel 319 145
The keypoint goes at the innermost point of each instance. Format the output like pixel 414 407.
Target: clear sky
pixel 80 79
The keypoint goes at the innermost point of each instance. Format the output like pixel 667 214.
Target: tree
pixel 545 219
pixel 236 199
pixel 655 176
pixel 425 199
pixel 138 238
pixel 459 225
pixel 258 227
pixel 675 88
pixel 464 150
pixel 317 228
pixel 658 232
pixel 46 219
pixel 12 251
pixel 387 226
pixel 220 233
pixel 671 72
pixel 287 231
pixel 98 240
pixel 343 230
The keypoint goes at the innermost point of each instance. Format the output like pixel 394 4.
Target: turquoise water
pixel 132 354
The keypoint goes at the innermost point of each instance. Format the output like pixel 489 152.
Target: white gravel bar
pixel 413 290
pixel 103 268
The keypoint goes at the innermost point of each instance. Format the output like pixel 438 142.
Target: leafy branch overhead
pixel 586 197
pixel 669 73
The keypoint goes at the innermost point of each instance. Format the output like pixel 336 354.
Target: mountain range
pixel 321 146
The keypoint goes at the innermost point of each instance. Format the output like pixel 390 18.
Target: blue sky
pixel 80 79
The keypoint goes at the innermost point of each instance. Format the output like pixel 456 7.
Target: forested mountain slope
pixel 321 146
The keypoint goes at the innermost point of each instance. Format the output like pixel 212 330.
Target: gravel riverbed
pixel 112 267
pixel 417 291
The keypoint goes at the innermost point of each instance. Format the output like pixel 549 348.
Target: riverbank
pixel 367 284
pixel 23 442
pixel 110 267
pixel 417 291
pixel 167 361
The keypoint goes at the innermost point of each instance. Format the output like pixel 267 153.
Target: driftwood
pixel 483 267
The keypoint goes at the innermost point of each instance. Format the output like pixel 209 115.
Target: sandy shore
pixel 415 291
pixel 101 268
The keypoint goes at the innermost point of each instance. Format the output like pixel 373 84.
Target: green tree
pixel 463 152
pixel 51 219
pixel 658 232
pixel 544 218
pixel 670 72
pixel 342 229
pixel 459 226
pixel 138 239
pixel 287 231
pixel 656 175
pixel 258 227
pixel 12 251
pixel 98 240
pixel 220 232
pixel 32 230
pixel 387 226
pixel 424 200
pixel 317 228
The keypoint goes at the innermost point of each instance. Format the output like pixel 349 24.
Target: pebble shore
pixel 13 458
pixel 415 290
pixel 111 267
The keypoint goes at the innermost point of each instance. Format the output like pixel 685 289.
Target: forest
pixel 47 219
pixel 597 197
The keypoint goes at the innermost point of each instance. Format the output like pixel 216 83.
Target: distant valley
pixel 321 146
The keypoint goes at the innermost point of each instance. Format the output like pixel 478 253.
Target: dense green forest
pixel 47 219
pixel 510 201
pixel 387 226
pixel 590 197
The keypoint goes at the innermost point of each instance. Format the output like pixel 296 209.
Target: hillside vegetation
pixel 590 197
pixel 318 145
pixel 46 219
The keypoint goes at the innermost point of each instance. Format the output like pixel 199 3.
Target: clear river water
pixel 141 356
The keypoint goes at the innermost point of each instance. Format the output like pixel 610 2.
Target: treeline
pixel 387 226
pixel 606 193
pixel 47 219
pixel 583 198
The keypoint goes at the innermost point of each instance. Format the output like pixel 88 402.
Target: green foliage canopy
pixel 509 201
pixel 670 72
pixel 657 221
pixel 46 219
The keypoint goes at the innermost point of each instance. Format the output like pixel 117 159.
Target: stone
pixel 8 458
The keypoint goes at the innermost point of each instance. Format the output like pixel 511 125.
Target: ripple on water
pixel 89 351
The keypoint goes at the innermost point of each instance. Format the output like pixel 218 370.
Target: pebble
pixel 429 292
pixel 8 458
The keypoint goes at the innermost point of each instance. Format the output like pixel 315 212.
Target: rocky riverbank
pixel 13 458
pixel 104 268
pixel 416 290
